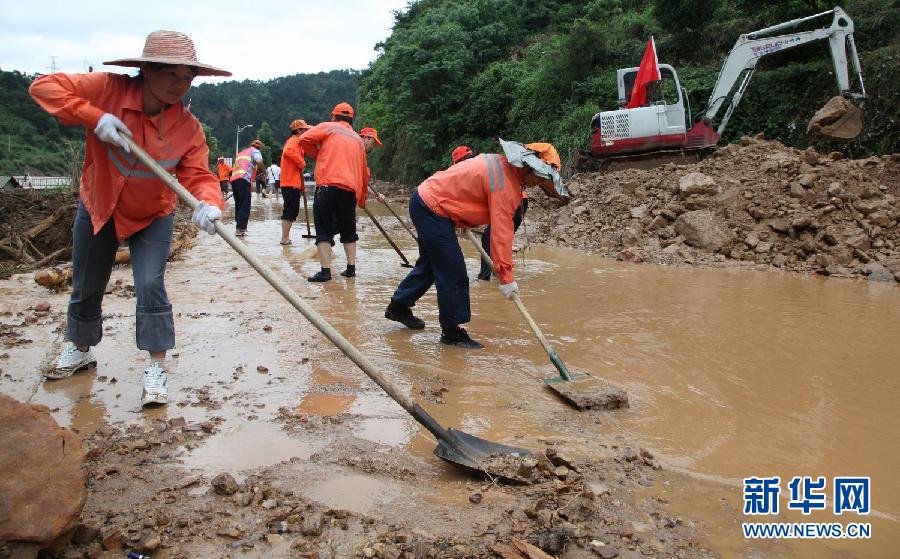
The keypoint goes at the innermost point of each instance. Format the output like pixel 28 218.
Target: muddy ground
pixel 274 444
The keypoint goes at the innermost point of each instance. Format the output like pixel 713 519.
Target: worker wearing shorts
pixel 342 179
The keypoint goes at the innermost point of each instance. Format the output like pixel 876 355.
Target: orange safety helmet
pixel 546 152
pixel 460 153
pixel 343 109
pixel 371 133
pixel 257 144
pixel 300 124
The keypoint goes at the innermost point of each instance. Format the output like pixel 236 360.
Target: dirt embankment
pixel 759 203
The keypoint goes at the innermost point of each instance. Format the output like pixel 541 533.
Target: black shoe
pixel 485 275
pixel 321 275
pixel 459 338
pixel 403 315
pixel 350 272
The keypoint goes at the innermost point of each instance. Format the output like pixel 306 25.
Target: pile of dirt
pixel 759 203
pixel 35 228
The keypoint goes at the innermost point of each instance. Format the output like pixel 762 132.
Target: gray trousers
pixel 93 257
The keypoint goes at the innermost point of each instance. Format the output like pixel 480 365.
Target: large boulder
pixel 696 183
pixel 43 487
pixel 702 229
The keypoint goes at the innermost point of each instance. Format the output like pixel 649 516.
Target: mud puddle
pixel 731 375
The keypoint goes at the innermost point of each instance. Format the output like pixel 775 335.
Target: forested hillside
pixel 31 140
pixel 34 142
pixel 466 71
pixel 269 106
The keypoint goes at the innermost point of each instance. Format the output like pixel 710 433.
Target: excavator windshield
pixel 664 91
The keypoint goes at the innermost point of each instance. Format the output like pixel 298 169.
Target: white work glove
pixel 204 215
pixel 507 289
pixel 108 129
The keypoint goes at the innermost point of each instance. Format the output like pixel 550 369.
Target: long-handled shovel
pixel 388 206
pixel 406 263
pixel 577 388
pixel 306 213
pixel 453 446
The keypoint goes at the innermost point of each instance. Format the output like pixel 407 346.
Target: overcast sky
pixel 253 40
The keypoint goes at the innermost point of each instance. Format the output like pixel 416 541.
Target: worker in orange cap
pixel 248 162
pixel 121 199
pixel 371 141
pixel 342 179
pixel 292 188
pixel 486 189
pixel 223 172
pixel 461 153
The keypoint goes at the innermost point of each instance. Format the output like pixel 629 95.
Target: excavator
pixel 664 130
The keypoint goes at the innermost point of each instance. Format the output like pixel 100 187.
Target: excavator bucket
pixel 837 119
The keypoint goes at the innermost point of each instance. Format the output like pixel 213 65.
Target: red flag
pixel 647 73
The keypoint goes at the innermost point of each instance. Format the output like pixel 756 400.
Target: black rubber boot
pixel 322 275
pixel 403 315
pixel 350 272
pixel 485 273
pixel 458 337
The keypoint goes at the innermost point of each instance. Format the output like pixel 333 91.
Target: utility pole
pixel 237 137
pixel 53 64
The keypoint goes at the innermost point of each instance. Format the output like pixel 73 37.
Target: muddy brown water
pixel 731 374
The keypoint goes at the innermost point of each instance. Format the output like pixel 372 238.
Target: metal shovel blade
pixel 588 393
pixel 476 453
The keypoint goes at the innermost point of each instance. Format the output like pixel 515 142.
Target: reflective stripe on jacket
pixel 292 164
pixel 479 191
pixel 114 185
pixel 340 157
pixel 245 165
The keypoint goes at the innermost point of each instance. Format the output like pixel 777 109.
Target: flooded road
pixel 731 374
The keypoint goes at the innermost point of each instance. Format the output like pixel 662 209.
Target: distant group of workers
pixel 123 200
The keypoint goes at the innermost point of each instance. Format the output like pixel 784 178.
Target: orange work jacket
pixel 114 184
pixel 340 157
pixel 292 164
pixel 479 191
pixel 223 171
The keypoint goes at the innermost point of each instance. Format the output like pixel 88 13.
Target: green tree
pixel 270 145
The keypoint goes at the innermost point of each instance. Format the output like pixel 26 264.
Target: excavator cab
pixel 661 123
pixel 666 92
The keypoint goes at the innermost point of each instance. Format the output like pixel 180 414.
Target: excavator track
pixel 586 161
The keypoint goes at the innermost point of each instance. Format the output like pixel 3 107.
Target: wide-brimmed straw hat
pixel 170 47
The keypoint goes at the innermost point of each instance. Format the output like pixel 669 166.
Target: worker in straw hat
pixel 342 180
pixel 486 189
pixel 292 187
pixel 121 199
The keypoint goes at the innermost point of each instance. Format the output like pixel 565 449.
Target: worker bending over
pixel 486 189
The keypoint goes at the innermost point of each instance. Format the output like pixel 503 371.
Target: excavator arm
pixel 749 48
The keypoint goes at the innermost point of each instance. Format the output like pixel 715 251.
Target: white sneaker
pixel 155 391
pixel 71 361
